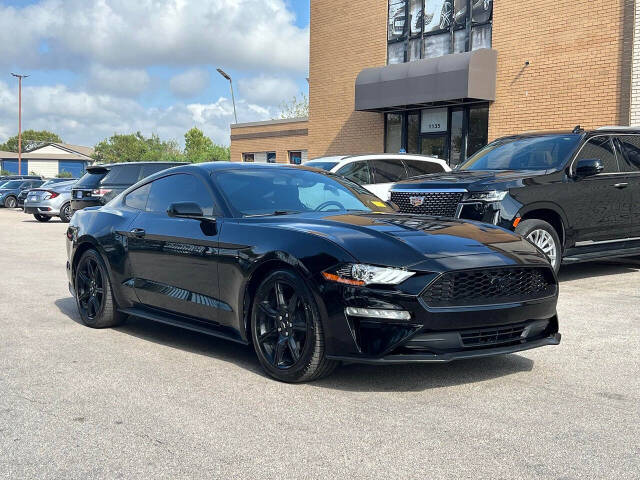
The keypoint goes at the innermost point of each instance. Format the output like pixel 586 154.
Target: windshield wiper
pixel 275 213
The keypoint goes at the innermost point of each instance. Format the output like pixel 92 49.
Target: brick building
pixel 444 77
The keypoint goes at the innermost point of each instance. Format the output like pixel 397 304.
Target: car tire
pixel 65 213
pixel 41 218
pixel 543 236
pixel 94 296
pixel 10 202
pixel 287 330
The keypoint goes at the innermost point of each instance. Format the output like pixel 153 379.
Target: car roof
pixel 111 165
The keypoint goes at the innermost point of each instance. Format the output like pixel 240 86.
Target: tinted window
pixel 358 172
pixel 321 165
pixel 389 171
pixel 631 153
pixel 600 148
pixel 122 175
pixel 264 191
pixel 12 184
pixel 138 198
pixel 91 179
pixel 153 168
pixel 178 188
pixel 542 152
pixel 416 167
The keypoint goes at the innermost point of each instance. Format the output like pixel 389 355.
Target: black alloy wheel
pixel 10 202
pixel 286 329
pixel 65 213
pixel 41 218
pixel 93 292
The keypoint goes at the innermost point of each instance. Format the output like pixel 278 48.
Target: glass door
pixel 435 146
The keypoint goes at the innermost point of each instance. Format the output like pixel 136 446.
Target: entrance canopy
pixel 448 80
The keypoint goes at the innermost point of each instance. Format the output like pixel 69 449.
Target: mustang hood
pixel 421 242
pixel 473 180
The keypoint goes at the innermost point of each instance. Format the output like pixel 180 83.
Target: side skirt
pixel 612 250
pixel 184 322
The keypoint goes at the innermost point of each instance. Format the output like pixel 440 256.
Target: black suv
pixel 101 183
pixel 575 195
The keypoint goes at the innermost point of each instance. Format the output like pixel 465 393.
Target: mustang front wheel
pixel 286 329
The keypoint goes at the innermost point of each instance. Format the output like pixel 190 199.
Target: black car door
pixel 598 207
pixel 629 147
pixel 174 260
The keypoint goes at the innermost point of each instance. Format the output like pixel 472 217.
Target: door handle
pixel 620 186
pixel 138 232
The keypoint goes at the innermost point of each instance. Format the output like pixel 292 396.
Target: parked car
pixel 50 201
pixel 10 190
pixel 6 178
pixel 310 268
pixel 576 195
pixel 377 173
pixel 53 181
pixel 101 183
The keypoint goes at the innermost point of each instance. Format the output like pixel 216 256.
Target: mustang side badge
pixel 416 201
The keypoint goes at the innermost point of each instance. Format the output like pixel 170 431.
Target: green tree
pixel 200 148
pixel 64 174
pixel 136 148
pixel 295 108
pixel 31 139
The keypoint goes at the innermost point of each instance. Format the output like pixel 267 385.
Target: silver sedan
pixel 45 203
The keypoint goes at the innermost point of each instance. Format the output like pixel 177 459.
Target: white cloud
pixel 190 83
pixel 84 118
pixel 126 81
pixel 268 90
pixel 235 34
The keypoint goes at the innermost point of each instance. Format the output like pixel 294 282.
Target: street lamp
pixel 19 77
pixel 233 98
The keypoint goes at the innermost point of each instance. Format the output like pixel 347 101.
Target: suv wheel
pixel 286 329
pixel 10 202
pixel 543 236
pixel 65 213
pixel 41 218
pixel 97 307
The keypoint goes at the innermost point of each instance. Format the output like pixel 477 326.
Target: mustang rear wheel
pixel 94 297
pixel 286 329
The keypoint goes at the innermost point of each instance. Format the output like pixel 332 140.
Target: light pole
pixel 19 77
pixel 233 98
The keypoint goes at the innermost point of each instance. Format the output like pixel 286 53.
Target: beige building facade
pixel 444 77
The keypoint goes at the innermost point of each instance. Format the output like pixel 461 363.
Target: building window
pixel 271 157
pixel 433 28
pixel 295 158
pixel 248 157
pixel 452 134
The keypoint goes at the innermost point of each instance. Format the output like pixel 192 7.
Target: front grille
pixel 439 204
pixel 489 286
pixel 492 336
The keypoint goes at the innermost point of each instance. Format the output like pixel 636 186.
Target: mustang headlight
pixel 489 196
pixel 360 274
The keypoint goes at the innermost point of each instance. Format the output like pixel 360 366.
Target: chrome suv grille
pixel 439 204
pixel 490 286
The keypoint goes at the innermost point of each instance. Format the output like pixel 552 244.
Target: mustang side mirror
pixel 185 210
pixel 588 167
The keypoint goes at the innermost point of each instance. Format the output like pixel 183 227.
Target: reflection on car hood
pixel 408 240
pixel 466 178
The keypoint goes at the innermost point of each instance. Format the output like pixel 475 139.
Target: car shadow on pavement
pixel 617 266
pixel 349 377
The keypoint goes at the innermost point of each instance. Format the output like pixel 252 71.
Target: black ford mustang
pixel 309 268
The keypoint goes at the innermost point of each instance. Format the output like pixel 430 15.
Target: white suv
pixel 377 173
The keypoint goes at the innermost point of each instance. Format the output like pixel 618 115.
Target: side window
pixel 122 175
pixel 138 198
pixel 358 172
pixel 417 167
pixel 389 171
pixel 630 161
pixel 147 170
pixel 600 148
pixel 178 188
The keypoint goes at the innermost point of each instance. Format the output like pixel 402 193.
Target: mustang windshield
pixel 544 152
pixel 268 191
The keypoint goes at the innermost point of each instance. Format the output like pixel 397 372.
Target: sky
pixel 99 67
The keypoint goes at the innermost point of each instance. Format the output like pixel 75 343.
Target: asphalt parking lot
pixel 151 401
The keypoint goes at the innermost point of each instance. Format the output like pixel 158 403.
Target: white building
pixel 49 160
